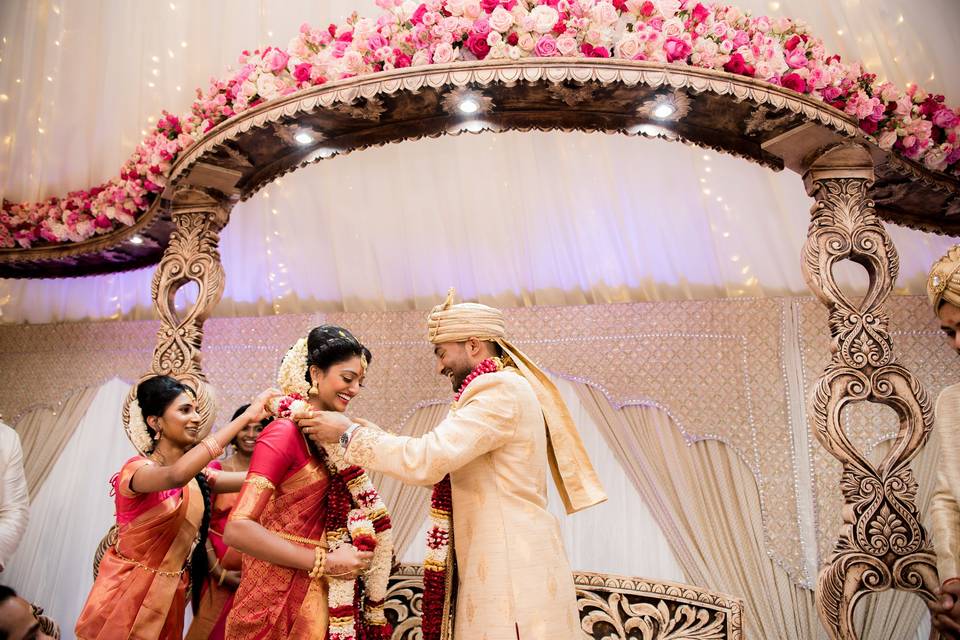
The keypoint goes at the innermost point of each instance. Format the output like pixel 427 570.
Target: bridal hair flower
pixel 136 428
pixel 293 370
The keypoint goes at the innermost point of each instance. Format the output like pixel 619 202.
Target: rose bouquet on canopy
pixel 781 51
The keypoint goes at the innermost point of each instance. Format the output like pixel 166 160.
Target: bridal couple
pixel 309 530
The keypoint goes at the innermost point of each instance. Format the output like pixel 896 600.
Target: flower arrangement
pixel 781 51
pixel 437 564
pixel 356 515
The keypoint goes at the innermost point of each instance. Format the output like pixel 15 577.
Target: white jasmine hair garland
pixel 136 428
pixel 364 523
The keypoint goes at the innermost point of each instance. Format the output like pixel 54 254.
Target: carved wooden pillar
pixel 192 256
pixel 882 544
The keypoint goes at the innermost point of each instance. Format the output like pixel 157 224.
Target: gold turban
pixel 943 285
pixel 576 480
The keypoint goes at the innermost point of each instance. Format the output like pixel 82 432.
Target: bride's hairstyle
pixel 327 345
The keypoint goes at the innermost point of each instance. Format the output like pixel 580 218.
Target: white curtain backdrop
pixel 71 513
pixel 566 218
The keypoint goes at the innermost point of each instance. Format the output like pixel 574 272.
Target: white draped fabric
pixel 71 513
pixel 512 219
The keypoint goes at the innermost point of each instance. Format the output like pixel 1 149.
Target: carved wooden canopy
pixel 750 119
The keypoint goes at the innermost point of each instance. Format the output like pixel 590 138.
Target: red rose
pixel 401 59
pixel 478 45
pixel 736 64
pixel 646 9
pixel 795 82
pixel 417 17
pixel 620 5
pixel 700 13
pixel 792 43
pixel 560 27
pixel 870 126
pixel 513 39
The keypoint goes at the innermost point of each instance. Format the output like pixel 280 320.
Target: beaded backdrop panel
pixel 918 344
pixel 716 366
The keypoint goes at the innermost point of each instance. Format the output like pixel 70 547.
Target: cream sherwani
pixel 945 504
pixel 514 577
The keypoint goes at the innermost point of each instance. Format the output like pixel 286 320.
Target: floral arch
pixel 763 90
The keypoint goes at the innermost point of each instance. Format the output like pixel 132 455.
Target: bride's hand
pixel 347 562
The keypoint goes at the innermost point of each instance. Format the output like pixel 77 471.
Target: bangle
pixel 319 563
pixel 212 446
pixel 223 574
pixel 215 565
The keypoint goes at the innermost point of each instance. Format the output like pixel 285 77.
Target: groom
pixel 506 425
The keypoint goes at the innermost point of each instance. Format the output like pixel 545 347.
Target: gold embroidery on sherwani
pixel 363 444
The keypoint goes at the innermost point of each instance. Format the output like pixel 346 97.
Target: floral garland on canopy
pixel 356 514
pixel 407 33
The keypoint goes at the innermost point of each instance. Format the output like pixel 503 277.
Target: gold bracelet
pixel 223 574
pixel 212 446
pixel 339 575
pixel 319 563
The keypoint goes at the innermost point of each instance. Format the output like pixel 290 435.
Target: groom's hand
pixel 323 426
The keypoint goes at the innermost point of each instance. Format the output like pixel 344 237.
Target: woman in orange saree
pixel 223 579
pixel 285 504
pixel 162 511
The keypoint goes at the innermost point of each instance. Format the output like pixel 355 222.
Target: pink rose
pixel 797 58
pixel 566 45
pixel 628 47
pixel 377 41
pixel 102 222
pixel 945 118
pixel 302 72
pixel 443 53
pixel 738 65
pixel 676 49
pixel 417 17
pixel 276 60
pixel 481 27
pixel 546 46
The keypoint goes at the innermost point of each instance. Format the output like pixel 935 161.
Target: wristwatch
pixel 346 435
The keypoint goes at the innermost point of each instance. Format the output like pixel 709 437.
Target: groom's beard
pixel 459 375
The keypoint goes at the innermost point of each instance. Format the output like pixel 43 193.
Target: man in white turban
pixel 507 424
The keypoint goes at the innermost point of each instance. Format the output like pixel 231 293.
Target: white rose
pixel 248 89
pixel 515 53
pixel 672 28
pixel 494 38
pixel 667 8
pixel 604 13
pixel 501 20
pixel 420 58
pixel 764 70
pixel 887 139
pixel 628 47
pixel 455 7
pixel 353 62
pixel 526 42
pixel 544 18
pixel 443 53
pixel 472 9
pixel 267 86
pixel 497 52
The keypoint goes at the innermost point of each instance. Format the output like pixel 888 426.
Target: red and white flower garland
pixel 438 563
pixel 781 51
pixel 356 514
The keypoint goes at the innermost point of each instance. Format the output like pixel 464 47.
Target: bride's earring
pixel 314 391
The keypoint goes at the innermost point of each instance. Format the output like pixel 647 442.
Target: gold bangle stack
pixel 212 446
pixel 319 563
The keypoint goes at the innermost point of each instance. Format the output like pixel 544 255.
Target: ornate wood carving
pixel 611 607
pixel 882 544
pixel 191 257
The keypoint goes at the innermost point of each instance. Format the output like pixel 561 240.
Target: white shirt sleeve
pixel 14 501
